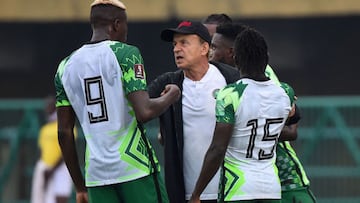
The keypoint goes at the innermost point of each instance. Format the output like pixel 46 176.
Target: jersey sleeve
pixel 61 97
pixel 228 101
pixel 289 91
pixel 269 72
pixel 132 66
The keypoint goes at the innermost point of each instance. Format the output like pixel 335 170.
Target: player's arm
pixel 213 158
pixel 148 108
pixel 66 123
pixel 289 132
pixel 145 108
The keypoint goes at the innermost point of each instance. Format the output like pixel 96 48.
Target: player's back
pixel 96 79
pixel 260 114
pixel 92 80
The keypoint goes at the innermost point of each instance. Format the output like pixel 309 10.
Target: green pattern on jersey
pixel 133 150
pixel 127 57
pixel 269 72
pixel 227 101
pixel 289 91
pixel 291 172
pixel 61 98
pixel 233 180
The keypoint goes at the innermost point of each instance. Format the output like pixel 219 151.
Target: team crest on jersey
pixel 139 71
pixel 215 92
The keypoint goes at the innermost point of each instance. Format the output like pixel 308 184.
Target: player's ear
pixel 231 52
pixel 116 25
pixel 235 59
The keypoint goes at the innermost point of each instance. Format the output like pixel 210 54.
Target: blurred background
pixel 313 44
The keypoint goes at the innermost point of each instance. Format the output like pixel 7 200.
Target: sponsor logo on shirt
pixel 139 71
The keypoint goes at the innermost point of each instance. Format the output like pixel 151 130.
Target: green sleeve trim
pixel 228 101
pixel 128 58
pixel 61 97
pixel 62 103
pixel 269 72
pixel 289 91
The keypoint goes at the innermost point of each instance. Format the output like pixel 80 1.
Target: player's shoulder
pixel 233 88
pixel 116 45
pixel 289 91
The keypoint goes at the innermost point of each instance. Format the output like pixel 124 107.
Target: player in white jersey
pixel 250 116
pixel 103 86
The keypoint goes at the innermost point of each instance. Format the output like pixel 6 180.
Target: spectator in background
pixel 51 180
pixel 249 117
pixel 187 127
pixel 103 86
pixel 215 19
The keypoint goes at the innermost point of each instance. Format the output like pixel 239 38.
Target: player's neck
pixel 256 77
pixel 99 35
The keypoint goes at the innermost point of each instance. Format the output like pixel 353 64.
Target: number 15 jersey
pixel 94 80
pixel 258 111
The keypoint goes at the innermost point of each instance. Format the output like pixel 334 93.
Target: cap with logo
pixel 187 27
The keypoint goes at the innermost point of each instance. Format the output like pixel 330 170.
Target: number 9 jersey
pixel 95 81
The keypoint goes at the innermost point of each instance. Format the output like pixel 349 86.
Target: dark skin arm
pixel 148 108
pixel 145 109
pixel 213 158
pixel 66 123
pixel 289 133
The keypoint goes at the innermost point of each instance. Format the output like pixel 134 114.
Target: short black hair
pixel 217 18
pixel 230 30
pixel 251 51
pixel 104 14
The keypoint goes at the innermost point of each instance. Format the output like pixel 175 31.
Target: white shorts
pixel 60 184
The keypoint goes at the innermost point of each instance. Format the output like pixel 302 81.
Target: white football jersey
pixel 258 111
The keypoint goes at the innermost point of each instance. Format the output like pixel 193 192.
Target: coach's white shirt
pixel 198 106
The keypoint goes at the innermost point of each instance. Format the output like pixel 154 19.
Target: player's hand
pixel 172 91
pixel 82 197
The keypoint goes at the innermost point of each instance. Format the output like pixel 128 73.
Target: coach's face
pixel 189 50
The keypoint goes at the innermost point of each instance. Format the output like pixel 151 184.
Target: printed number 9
pixel 95 84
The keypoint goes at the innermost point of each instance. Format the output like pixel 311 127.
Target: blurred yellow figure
pixel 51 180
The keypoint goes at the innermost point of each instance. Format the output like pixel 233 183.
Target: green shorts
pixel 137 191
pixel 257 201
pixel 301 195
